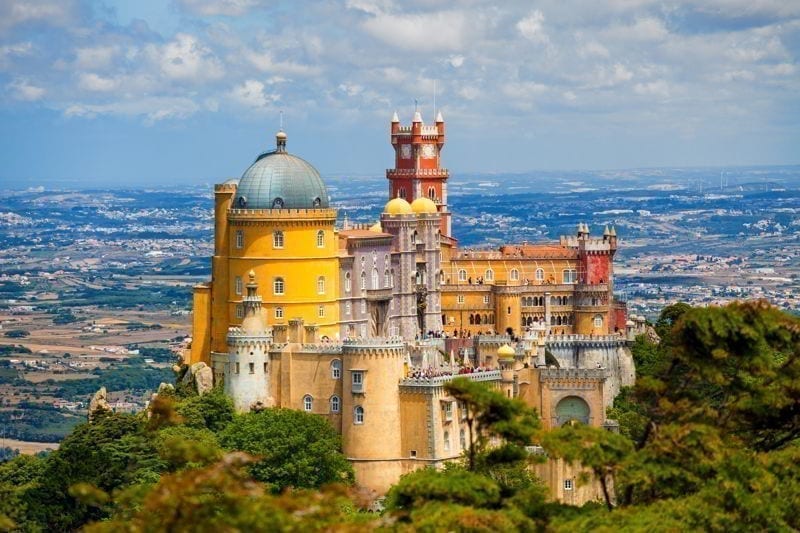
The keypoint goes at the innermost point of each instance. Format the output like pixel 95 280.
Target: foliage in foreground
pixel 708 441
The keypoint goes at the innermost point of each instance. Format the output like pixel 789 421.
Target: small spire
pixel 280 141
pixel 613 231
pixel 417 116
pixel 395 118
pixel 439 117
pixel 606 231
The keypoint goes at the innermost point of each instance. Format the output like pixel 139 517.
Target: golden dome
pixel 397 206
pixel 423 205
pixel 505 352
pixel 376 227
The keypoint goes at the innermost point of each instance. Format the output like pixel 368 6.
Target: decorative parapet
pixel 409 172
pixel 393 343
pixel 560 374
pixel 585 340
pixel 596 287
pixel 440 381
pixel 280 214
pixel 322 347
pixel 237 335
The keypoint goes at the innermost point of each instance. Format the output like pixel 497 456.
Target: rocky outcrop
pixel 99 403
pixel 200 377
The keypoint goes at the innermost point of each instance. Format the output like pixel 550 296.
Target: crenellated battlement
pixel 440 381
pixel 586 340
pixel 552 374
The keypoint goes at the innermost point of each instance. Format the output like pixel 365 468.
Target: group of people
pixel 428 373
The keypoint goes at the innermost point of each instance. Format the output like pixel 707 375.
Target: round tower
pixel 371 432
pixel 247 372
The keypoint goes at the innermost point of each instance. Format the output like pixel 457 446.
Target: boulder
pixel 99 403
pixel 203 378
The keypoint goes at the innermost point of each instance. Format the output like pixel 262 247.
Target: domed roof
pixel 376 227
pixel 280 180
pixel 397 206
pixel 505 351
pixel 423 205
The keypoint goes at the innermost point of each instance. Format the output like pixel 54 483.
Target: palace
pixel 364 325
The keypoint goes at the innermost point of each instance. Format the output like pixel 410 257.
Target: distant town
pixel 95 285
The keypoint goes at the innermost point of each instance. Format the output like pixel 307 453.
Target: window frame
pixel 320 239
pixel 335 404
pixel 278 239
pixel 279 286
pixel 358 415
pixel 239 239
pixel 308 403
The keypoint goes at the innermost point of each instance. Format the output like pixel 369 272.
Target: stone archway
pixel 572 408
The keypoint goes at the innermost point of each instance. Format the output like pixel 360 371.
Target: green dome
pixel 279 180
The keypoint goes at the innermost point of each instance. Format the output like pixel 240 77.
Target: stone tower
pixel 417 169
pixel 247 372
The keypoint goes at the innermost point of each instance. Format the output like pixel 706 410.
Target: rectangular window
pixel 239 238
pixel 239 311
pixel 347 308
pixel 265 367
pixel 570 276
pixel 239 286
pixel 321 311
pixel 358 381
pixel 363 306
pixel 252 368
pixel 486 299
pixel 448 411
pixel 279 312
pixel 237 368
pixel 460 298
pixel 413 454
pixel 567 484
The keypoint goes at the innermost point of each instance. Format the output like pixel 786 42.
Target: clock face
pixel 405 151
pixel 428 151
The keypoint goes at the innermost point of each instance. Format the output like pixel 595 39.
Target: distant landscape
pixel 95 285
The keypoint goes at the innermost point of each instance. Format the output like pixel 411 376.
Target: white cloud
pixel 442 30
pixel 154 109
pixel 251 94
pixel 95 57
pixel 456 61
pixel 93 82
pixel 659 88
pixel 185 58
pixel 264 62
pixel 593 49
pixel 373 7
pixel 469 92
pixel 55 12
pixel 231 8
pixel 643 29
pixel 22 89
pixel 781 69
pixel 351 89
pixel 531 28
pixel 12 50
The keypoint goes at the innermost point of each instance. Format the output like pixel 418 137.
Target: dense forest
pixel 709 440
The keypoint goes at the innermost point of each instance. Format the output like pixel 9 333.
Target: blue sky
pixel 189 91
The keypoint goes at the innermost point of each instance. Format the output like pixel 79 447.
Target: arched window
pixel 539 274
pixel 447 441
pixel 308 403
pixel 598 321
pixel 336 369
pixel 278 286
pixel 239 286
pixel 279 312
pixel 414 240
pixel 572 408
pixel 471 319
pixel 321 311
pixel 347 308
pixel 336 404
pixel 358 415
pixel 320 239
pixel 277 239
pixel 488 275
pixel 363 280
pixel 552 321
pixel 432 193
pixel 438 236
pixel 514 274
pixel 347 282
pixel 462 275
pixel 477 319
pixel 402 192
pixel 375 282
pixel 462 439
pixel 387 278
pixel 321 285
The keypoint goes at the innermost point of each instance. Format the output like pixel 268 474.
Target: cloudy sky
pixel 189 91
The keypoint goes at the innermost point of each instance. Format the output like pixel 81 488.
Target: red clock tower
pixel 417 171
